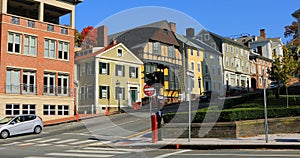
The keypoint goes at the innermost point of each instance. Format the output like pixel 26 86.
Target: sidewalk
pixel 275 141
pixel 71 119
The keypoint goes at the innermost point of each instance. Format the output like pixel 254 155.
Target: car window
pixel 6 119
pixel 29 117
pixel 17 119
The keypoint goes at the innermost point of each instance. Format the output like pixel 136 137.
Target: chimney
pixel 173 26
pixel 190 32
pixel 263 33
pixel 102 36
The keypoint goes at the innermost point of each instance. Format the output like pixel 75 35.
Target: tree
pixel 88 37
pixel 77 38
pixel 285 67
pixel 292 31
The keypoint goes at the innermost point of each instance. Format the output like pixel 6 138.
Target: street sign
pixel 149 90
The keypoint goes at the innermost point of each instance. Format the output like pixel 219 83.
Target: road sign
pixel 149 90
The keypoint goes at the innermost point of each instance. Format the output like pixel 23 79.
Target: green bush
pixel 236 114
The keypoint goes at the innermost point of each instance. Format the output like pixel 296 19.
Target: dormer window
pixel 120 53
pixel 165 32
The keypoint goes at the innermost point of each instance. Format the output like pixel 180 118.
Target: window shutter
pixel 100 68
pixel 86 69
pixel 100 92
pixel 116 93
pixel 123 93
pixel 107 68
pixel 137 72
pixel 123 70
pixel 108 93
pixel 116 68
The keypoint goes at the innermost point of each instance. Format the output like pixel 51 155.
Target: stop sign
pixel 149 91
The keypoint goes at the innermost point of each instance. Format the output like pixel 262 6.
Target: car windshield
pixel 6 119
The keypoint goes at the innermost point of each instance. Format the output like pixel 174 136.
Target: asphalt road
pixel 96 137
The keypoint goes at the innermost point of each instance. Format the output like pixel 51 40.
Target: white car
pixel 20 124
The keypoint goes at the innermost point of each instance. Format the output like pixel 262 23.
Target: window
pixel 192 52
pixel 49 48
pixel 14 42
pixel 89 68
pixel 63 110
pixel 104 68
pixel 63 50
pixel 12 109
pixel 232 62
pixel 206 69
pixel 156 48
pixel 198 53
pixel 29 82
pixel 50 28
pixel 237 51
pixel 49 110
pixel 120 53
pixel 171 51
pixel 15 20
pixel 63 84
pixel 30 45
pixel 227 61
pixel 28 109
pixel 82 93
pixel 205 55
pixel 120 92
pixel 165 32
pixel 206 37
pixel 173 80
pixel 199 67
pixel 120 70
pixel 30 24
pixel 104 92
pixel 49 84
pixel 89 92
pixel 13 81
pixel 82 69
pixel 192 66
pixel 64 31
pixel 133 72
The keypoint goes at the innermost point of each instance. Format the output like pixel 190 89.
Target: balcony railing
pixel 33 89
pixel 21 89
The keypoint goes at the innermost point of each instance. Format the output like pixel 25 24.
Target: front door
pixel 133 95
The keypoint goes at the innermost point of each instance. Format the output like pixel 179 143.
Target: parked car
pixel 275 85
pixel 205 96
pixel 20 124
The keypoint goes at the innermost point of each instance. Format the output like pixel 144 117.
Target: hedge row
pixel 229 115
pixel 231 102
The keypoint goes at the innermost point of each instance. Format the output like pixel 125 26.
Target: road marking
pixel 174 153
pixel 98 152
pixel 137 134
pixel 31 140
pixel 37 157
pixel 13 143
pixel 61 145
pixel 65 141
pixel 48 140
pixel 43 144
pixel 26 144
pixel 78 155
pixel 82 142
pixel 120 149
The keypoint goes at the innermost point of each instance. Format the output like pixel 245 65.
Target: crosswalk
pixel 42 142
pixel 95 152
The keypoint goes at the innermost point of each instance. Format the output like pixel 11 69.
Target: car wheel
pixel 37 129
pixel 4 134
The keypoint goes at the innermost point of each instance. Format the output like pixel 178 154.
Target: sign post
pixel 190 76
pixel 149 91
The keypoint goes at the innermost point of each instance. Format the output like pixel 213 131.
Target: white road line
pixel 78 155
pixel 26 144
pixel 83 142
pixel 65 141
pixel 48 140
pixel 32 140
pixel 61 145
pixel 97 152
pixel 13 143
pixel 43 144
pixel 174 153
pixel 37 157
pixel 114 149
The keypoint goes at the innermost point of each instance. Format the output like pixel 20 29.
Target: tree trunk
pixel 287 98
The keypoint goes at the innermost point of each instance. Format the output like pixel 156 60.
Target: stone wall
pixel 232 129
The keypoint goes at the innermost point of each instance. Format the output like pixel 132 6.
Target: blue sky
pixel 224 17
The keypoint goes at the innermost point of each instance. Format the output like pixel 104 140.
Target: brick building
pixel 37 58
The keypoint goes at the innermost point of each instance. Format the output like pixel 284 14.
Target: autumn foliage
pixel 292 31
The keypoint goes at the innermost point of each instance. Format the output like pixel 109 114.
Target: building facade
pixel 37 58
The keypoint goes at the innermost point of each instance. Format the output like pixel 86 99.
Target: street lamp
pixel 199 83
pixel 118 95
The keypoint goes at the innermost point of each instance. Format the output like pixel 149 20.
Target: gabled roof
pixel 225 39
pixel 96 53
pixel 296 14
pixel 187 41
pixel 205 46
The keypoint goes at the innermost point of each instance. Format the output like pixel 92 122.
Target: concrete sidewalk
pixel 71 119
pixel 275 141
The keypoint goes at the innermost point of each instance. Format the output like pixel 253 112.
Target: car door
pixel 29 121
pixel 16 126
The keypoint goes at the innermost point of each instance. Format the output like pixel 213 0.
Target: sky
pixel 228 18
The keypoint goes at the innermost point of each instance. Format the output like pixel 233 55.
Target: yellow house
pixel 109 77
